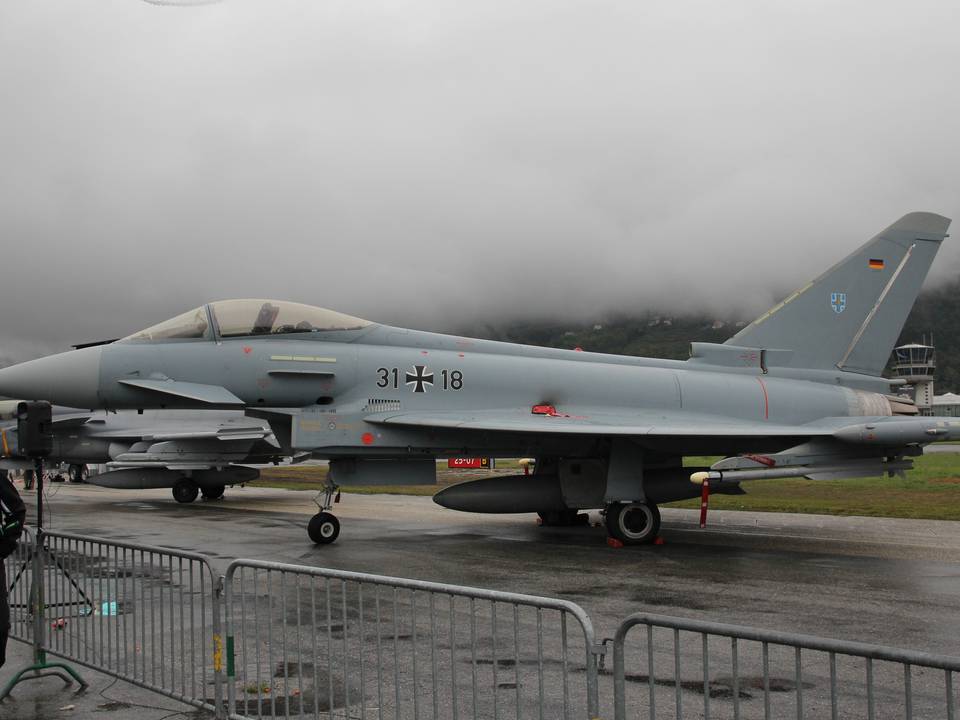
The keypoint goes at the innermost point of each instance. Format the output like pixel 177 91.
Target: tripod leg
pixel 52 555
pixel 23 566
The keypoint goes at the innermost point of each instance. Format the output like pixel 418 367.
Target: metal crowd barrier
pixel 147 615
pixel 313 642
pixel 697 668
pixel 19 572
pixel 323 643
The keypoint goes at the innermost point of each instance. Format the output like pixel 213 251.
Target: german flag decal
pixel 876 264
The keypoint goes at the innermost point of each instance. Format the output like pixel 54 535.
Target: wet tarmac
pixel 887 581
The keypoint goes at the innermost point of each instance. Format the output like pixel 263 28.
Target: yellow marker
pixel 6 448
pixel 217 653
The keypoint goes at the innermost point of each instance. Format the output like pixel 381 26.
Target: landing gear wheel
pixel 78 473
pixel 185 491
pixel 633 523
pixel 323 528
pixel 562 518
pixel 213 492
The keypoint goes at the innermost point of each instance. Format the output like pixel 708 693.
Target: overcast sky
pixel 422 163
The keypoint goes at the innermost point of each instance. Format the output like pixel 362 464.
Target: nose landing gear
pixel 324 527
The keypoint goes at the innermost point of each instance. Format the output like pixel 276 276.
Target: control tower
pixel 916 364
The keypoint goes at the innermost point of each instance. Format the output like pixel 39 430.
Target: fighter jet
pixel 798 392
pixel 189 451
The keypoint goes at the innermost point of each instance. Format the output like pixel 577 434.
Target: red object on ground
pixel 659 541
pixel 465 462
pixel 614 543
pixel 704 502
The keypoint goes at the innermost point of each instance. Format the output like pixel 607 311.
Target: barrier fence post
pixel 594 653
pixel 218 649
pixel 40 667
pixel 619 673
pixel 226 583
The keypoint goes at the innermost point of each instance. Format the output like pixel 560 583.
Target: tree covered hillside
pixel 650 334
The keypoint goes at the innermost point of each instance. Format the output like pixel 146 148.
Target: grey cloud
pixel 420 163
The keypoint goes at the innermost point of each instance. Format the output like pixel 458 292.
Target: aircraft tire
pixel 185 491
pixel 323 528
pixel 214 492
pixel 78 473
pixel 633 523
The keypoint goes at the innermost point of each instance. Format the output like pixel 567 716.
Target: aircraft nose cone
pixel 70 378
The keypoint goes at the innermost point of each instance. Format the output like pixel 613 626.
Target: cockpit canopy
pixel 245 318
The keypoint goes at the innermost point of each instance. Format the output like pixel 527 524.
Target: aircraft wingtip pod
pixel 923 223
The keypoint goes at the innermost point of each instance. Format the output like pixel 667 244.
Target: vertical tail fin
pixel 851 316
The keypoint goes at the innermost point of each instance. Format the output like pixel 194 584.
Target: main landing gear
pixel 212 492
pixel 633 523
pixel 324 527
pixel 185 491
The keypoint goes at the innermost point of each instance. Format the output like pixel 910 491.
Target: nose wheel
pixel 324 527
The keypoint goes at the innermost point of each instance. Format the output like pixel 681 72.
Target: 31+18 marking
pixel 419 379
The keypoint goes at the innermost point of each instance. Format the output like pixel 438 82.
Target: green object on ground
pixel 41 668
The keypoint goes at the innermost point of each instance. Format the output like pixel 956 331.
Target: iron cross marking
pixel 420 378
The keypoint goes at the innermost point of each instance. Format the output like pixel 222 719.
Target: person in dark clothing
pixel 13 513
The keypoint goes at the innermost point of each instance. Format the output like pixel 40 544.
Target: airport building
pixel 915 363
pixel 947 405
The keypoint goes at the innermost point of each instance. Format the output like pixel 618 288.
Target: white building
pixel 946 405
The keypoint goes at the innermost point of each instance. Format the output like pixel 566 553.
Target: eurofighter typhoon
pixel 192 452
pixel 798 392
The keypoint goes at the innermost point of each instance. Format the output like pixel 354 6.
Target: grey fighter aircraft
pixel 189 451
pixel 797 392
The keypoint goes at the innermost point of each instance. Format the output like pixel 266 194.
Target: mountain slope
pixel 650 334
